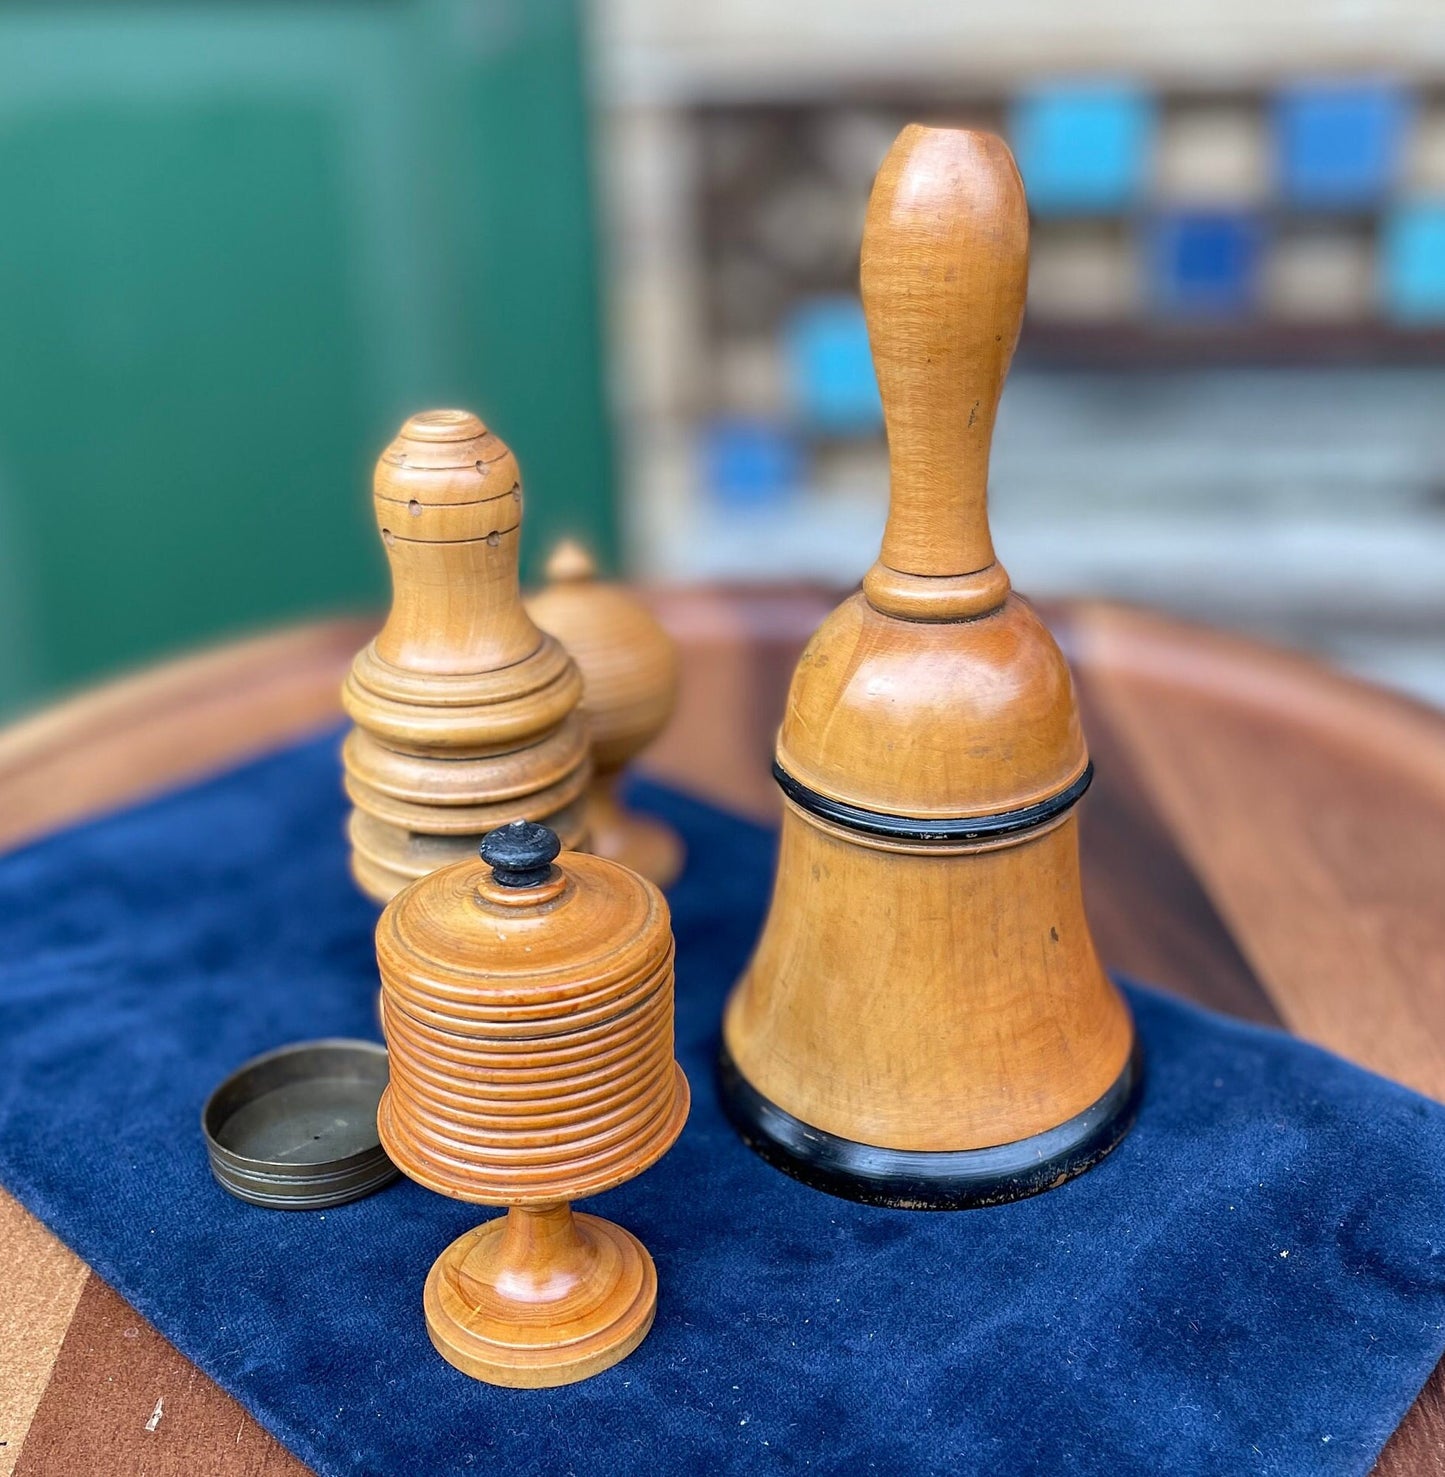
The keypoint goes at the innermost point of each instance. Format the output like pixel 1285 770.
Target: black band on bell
pixel 909 1179
pixel 910 828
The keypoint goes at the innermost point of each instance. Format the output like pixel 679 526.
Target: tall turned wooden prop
pixel 925 1022
pixel 629 689
pixel 528 1015
pixel 466 714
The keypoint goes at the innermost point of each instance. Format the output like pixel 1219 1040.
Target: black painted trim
pixel 910 828
pixel 918 1180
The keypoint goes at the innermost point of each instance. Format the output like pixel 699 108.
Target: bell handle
pixel 944 275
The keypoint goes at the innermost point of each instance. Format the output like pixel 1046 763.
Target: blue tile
pixel 749 462
pixel 1083 148
pixel 1412 262
pixel 1340 143
pixel 1204 263
pixel 830 368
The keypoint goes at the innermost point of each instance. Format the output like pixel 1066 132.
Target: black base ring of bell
pixel 911 1179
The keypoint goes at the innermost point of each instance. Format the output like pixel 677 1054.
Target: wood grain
pixel 540 1297
pixel 466 713
pixel 1158 917
pixel 1150 916
pixel 43 1284
pixel 156 729
pixel 944 274
pixel 928 1000
pixel 629 690
pixel 909 993
pixel 122 1400
pixel 1310 810
pixel 739 647
pixel 529 1019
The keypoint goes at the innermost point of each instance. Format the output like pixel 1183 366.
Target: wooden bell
pixel 629 689
pixel 466 714
pixel 528 1015
pixel 925 1022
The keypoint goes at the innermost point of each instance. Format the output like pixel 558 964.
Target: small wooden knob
pixel 944 275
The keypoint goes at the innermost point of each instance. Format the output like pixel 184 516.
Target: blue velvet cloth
pixel 1253 1282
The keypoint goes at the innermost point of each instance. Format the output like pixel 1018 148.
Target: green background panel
pixel 237 246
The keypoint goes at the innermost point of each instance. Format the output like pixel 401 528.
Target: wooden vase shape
pixel 925 1022
pixel 528 1011
pixel 466 714
pixel 629 689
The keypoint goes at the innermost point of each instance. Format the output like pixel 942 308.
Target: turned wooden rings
pixel 528 1011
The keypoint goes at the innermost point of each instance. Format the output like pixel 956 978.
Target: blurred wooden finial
pixel 629 680
pixel 570 563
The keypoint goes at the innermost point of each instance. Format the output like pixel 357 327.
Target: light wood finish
pixel 908 994
pixel 466 714
pixel 169 724
pixel 629 689
pixel 914 1001
pixel 933 719
pixel 1206 729
pixel 530 1027
pixel 1336 743
pixel 498 1298
pixel 43 1284
pixel 944 275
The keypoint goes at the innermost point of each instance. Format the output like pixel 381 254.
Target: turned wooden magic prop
pixel 528 1011
pixel 925 1021
pixel 466 714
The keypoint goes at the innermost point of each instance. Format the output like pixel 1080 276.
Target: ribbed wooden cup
pixel 530 1032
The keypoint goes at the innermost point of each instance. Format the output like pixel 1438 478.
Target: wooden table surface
pixel 1264 836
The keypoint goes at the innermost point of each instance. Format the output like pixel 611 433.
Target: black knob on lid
pixel 521 854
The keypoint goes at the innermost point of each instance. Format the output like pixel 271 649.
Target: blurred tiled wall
pixel 1226 395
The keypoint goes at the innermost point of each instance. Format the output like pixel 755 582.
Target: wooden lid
pixel 441 458
pixel 527 1005
pixel 489 958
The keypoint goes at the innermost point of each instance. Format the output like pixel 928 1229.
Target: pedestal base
pixel 649 847
pixel 916 1180
pixel 386 857
pixel 540 1297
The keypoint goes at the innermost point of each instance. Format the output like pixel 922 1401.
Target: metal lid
pixel 295 1129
